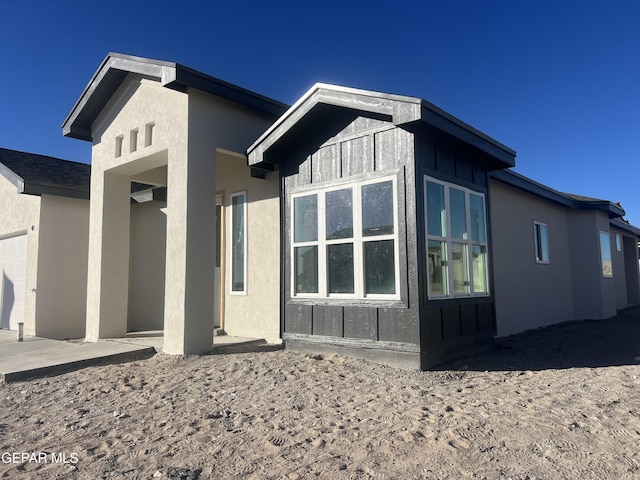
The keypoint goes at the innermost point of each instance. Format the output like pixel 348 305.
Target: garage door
pixel 13 267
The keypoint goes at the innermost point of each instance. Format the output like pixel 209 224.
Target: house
pixel 407 240
pixel 386 246
pixel 558 257
pixel 168 126
pixel 43 244
pixel 357 222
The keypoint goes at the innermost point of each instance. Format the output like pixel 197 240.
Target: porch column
pixel 190 262
pixel 108 269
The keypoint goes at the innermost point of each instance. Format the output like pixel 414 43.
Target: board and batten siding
pixel 366 149
pixel 449 327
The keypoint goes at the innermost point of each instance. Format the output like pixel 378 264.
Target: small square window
pixel 541 241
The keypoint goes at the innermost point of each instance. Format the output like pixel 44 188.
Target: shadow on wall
pixel 588 343
pixel 6 302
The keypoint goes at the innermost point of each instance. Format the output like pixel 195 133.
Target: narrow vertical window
pixel 238 242
pixel 305 241
pixel 437 247
pixel 119 140
pixel 541 242
pixel 458 213
pixel 339 235
pixel 618 242
pixel 379 243
pixel 605 255
pixel 148 134
pixel 218 235
pixel 133 140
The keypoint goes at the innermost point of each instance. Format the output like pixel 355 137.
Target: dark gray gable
pixel 337 106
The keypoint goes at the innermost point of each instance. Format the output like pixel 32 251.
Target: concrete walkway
pixel 38 357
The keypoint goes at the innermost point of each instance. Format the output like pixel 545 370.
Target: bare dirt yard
pixel 562 402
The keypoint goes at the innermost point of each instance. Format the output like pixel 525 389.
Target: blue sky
pixel 557 81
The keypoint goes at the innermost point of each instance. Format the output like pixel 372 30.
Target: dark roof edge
pixel 169 74
pixel 189 77
pixel 42 189
pixel 404 112
pixel 116 61
pixel 624 225
pixel 465 126
pixel 524 183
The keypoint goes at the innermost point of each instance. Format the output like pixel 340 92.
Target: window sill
pixel 348 302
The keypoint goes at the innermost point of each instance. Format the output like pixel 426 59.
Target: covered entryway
pixel 13 265
pixel 165 125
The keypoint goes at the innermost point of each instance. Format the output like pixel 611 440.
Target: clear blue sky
pixel 557 81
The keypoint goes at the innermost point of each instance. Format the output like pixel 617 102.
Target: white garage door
pixel 13 268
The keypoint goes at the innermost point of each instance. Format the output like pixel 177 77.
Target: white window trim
pixel 358 241
pixel 244 245
pixel 537 247
pixel 448 240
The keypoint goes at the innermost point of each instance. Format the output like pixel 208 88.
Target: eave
pixel 576 202
pixel 115 68
pixel 328 102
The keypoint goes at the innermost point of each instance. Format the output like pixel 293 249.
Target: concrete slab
pixel 38 357
pixel 155 339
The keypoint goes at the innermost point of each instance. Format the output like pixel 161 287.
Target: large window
pixel 605 255
pixel 456 240
pixel 238 243
pixel 345 241
pixel 541 242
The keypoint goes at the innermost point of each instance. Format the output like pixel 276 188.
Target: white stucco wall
pixel 23 219
pixel 217 126
pixel 189 130
pixel 147 266
pixel 257 312
pixel 528 294
pixel 62 267
pixel 137 103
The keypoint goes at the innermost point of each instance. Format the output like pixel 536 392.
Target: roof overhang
pixel 330 104
pixel 624 225
pixel 613 210
pixel 115 68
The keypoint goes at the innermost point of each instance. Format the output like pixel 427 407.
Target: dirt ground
pixel 562 402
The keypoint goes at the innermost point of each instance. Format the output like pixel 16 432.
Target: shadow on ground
pixel 245 348
pixel 588 343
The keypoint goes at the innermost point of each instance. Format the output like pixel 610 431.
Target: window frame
pixel 448 240
pixel 539 249
pixel 358 240
pixel 232 262
pixel 606 238
pixel 618 242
